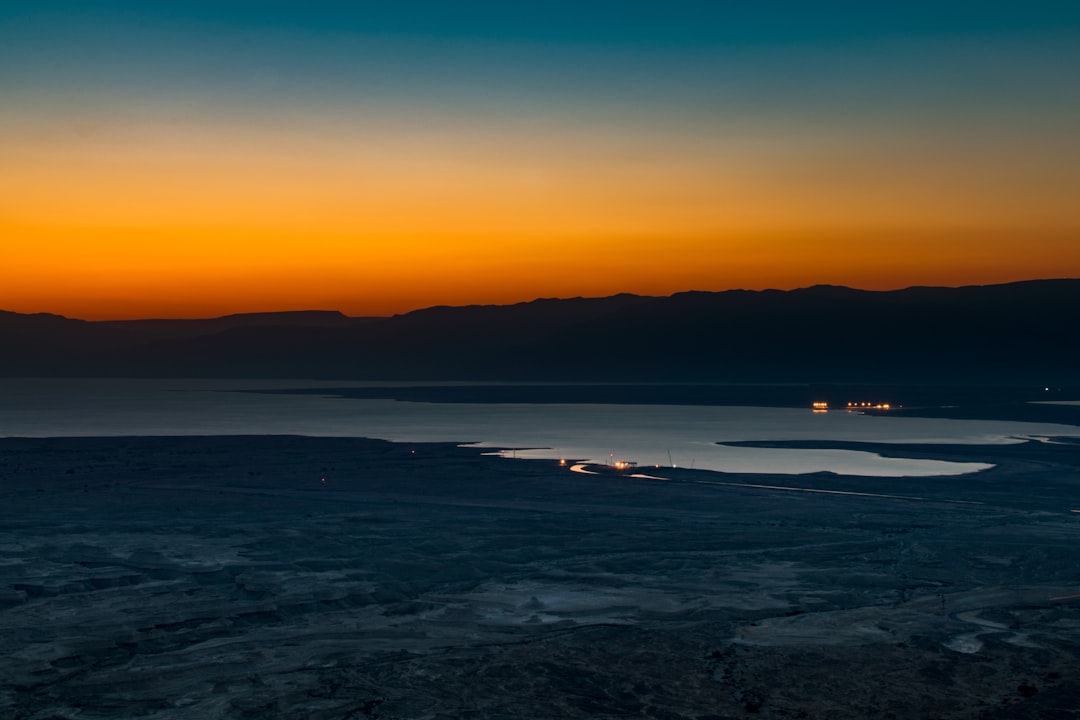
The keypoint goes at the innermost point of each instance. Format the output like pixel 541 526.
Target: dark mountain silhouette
pixel 1018 332
pixel 144 330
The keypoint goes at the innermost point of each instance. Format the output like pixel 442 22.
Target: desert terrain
pixel 299 577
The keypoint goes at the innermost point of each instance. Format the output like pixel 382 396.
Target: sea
pixel 652 436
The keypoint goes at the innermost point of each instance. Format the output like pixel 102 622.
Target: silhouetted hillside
pixel 143 330
pixel 1014 332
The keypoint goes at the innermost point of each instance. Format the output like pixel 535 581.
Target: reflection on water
pixel 647 434
pixel 704 456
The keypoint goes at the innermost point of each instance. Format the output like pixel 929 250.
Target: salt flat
pixel 284 577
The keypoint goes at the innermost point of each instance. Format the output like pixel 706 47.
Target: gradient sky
pixel 186 159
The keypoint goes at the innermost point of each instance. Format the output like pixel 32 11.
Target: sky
pixel 193 159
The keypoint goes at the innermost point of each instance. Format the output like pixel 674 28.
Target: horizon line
pixel 341 313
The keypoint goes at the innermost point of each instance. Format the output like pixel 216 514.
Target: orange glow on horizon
pixel 175 222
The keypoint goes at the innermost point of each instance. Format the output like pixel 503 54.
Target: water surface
pixel 651 435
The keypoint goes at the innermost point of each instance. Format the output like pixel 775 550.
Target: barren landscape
pixel 562 360
pixel 285 577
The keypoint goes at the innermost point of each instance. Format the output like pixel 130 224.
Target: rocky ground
pixel 287 577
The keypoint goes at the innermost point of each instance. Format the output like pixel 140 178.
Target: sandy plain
pixel 298 577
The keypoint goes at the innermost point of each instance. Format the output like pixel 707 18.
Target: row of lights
pixel 871 406
pixel 820 406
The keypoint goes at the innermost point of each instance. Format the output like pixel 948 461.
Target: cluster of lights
pixel 820 406
pixel 616 464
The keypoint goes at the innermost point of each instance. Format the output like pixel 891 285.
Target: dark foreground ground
pixel 222 578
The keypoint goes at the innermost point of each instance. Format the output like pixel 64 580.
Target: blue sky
pixel 725 142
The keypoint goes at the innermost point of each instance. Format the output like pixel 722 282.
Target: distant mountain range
pixel 1017 332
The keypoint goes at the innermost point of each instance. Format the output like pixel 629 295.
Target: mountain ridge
pixel 1005 332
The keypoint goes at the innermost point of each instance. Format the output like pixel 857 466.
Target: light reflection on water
pixel 768 460
pixel 642 433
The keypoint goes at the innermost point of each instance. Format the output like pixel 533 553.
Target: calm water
pixel 647 434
